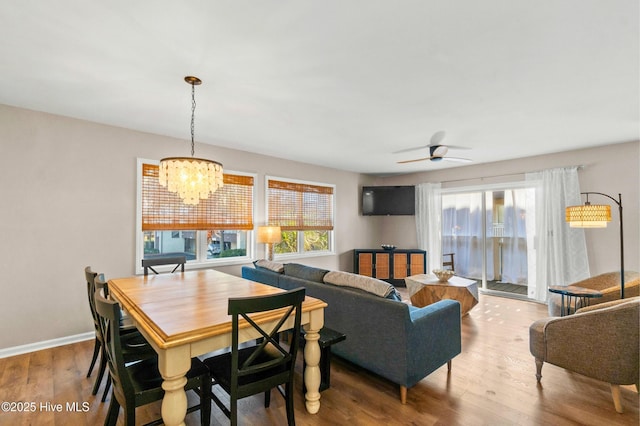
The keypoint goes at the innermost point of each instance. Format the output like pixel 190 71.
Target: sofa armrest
pixel 417 314
pixel 261 275
pixel 434 338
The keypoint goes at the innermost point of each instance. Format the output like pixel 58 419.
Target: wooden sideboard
pixel 392 266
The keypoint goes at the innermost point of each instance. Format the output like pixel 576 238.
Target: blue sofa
pixel 397 341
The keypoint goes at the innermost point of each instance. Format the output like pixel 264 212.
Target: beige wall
pixel 69 196
pixel 69 200
pixel 608 169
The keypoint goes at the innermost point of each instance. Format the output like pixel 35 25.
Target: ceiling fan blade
pixel 457 147
pixel 459 160
pixel 437 137
pixel 417 148
pixel 413 161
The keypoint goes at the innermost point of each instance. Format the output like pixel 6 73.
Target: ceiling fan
pixel 437 151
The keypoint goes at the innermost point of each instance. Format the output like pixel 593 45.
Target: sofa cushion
pixel 270 265
pixel 371 285
pixel 304 272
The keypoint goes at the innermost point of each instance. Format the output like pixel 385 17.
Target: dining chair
pixel 247 371
pixel 148 264
pixel 450 262
pixel 140 383
pixel 135 347
pixel 97 345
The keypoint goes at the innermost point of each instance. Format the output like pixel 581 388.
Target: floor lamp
pixel 597 216
pixel 269 235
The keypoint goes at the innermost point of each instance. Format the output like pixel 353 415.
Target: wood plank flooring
pixel 492 383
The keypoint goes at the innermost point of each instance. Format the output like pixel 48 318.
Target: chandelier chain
pixel 193 112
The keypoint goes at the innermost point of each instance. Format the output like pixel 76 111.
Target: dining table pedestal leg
pixel 312 372
pixel 174 404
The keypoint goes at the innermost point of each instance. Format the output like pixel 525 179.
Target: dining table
pixel 185 314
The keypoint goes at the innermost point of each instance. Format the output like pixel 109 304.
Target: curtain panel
pixel 561 251
pixel 428 222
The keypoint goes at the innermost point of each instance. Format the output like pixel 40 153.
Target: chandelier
pixel 191 178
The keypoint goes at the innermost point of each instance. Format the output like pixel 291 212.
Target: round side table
pixel 576 293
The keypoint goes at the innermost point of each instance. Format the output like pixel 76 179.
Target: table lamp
pixel 269 235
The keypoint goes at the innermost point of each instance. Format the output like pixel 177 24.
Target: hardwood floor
pixel 491 383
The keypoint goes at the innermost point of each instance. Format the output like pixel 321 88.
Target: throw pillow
pixel 304 272
pixel 371 285
pixel 267 264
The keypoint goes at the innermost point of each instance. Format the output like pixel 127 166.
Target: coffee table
pixel 426 289
pixel 574 292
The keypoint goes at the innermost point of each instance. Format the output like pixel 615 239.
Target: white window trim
pixel 192 264
pixel 301 254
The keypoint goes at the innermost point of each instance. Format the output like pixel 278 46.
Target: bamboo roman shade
pixel 230 207
pixel 300 206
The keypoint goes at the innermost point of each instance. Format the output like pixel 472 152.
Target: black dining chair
pixel 148 264
pixel 266 365
pixel 135 347
pixel 450 262
pixel 140 383
pixel 97 346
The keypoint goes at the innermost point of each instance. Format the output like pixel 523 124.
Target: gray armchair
pixel 599 341
pixel 608 284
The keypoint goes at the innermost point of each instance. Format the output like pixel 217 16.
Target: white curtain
pixel 462 233
pixel 428 217
pixel 560 251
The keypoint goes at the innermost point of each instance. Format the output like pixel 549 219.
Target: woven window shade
pixel 300 207
pixel 230 207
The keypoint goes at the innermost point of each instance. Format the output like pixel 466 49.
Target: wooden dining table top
pixel 185 307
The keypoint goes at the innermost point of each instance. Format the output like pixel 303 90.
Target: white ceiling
pixel 338 83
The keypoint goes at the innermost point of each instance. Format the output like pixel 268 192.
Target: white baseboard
pixel 46 344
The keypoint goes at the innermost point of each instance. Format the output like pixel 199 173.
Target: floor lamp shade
pixel 269 235
pixel 588 216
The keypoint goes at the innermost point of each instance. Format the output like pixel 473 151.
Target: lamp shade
pixel 191 178
pixel 269 234
pixel 588 216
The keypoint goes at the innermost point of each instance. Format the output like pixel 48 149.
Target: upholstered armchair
pixel 599 341
pixel 608 284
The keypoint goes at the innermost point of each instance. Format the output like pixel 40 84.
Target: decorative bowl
pixel 443 274
pixel 388 246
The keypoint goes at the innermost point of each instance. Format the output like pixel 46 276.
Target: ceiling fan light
pixel 439 151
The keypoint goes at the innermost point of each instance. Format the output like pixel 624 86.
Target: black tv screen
pixel 388 200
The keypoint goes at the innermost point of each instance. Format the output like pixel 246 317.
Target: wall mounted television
pixel 388 200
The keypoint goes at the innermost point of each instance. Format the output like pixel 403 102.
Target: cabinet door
pixel 383 268
pixel 399 266
pixel 417 263
pixel 365 264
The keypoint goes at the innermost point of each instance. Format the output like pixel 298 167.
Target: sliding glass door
pixel 489 231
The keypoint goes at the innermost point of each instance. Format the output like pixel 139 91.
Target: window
pixel 304 211
pixel 217 230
